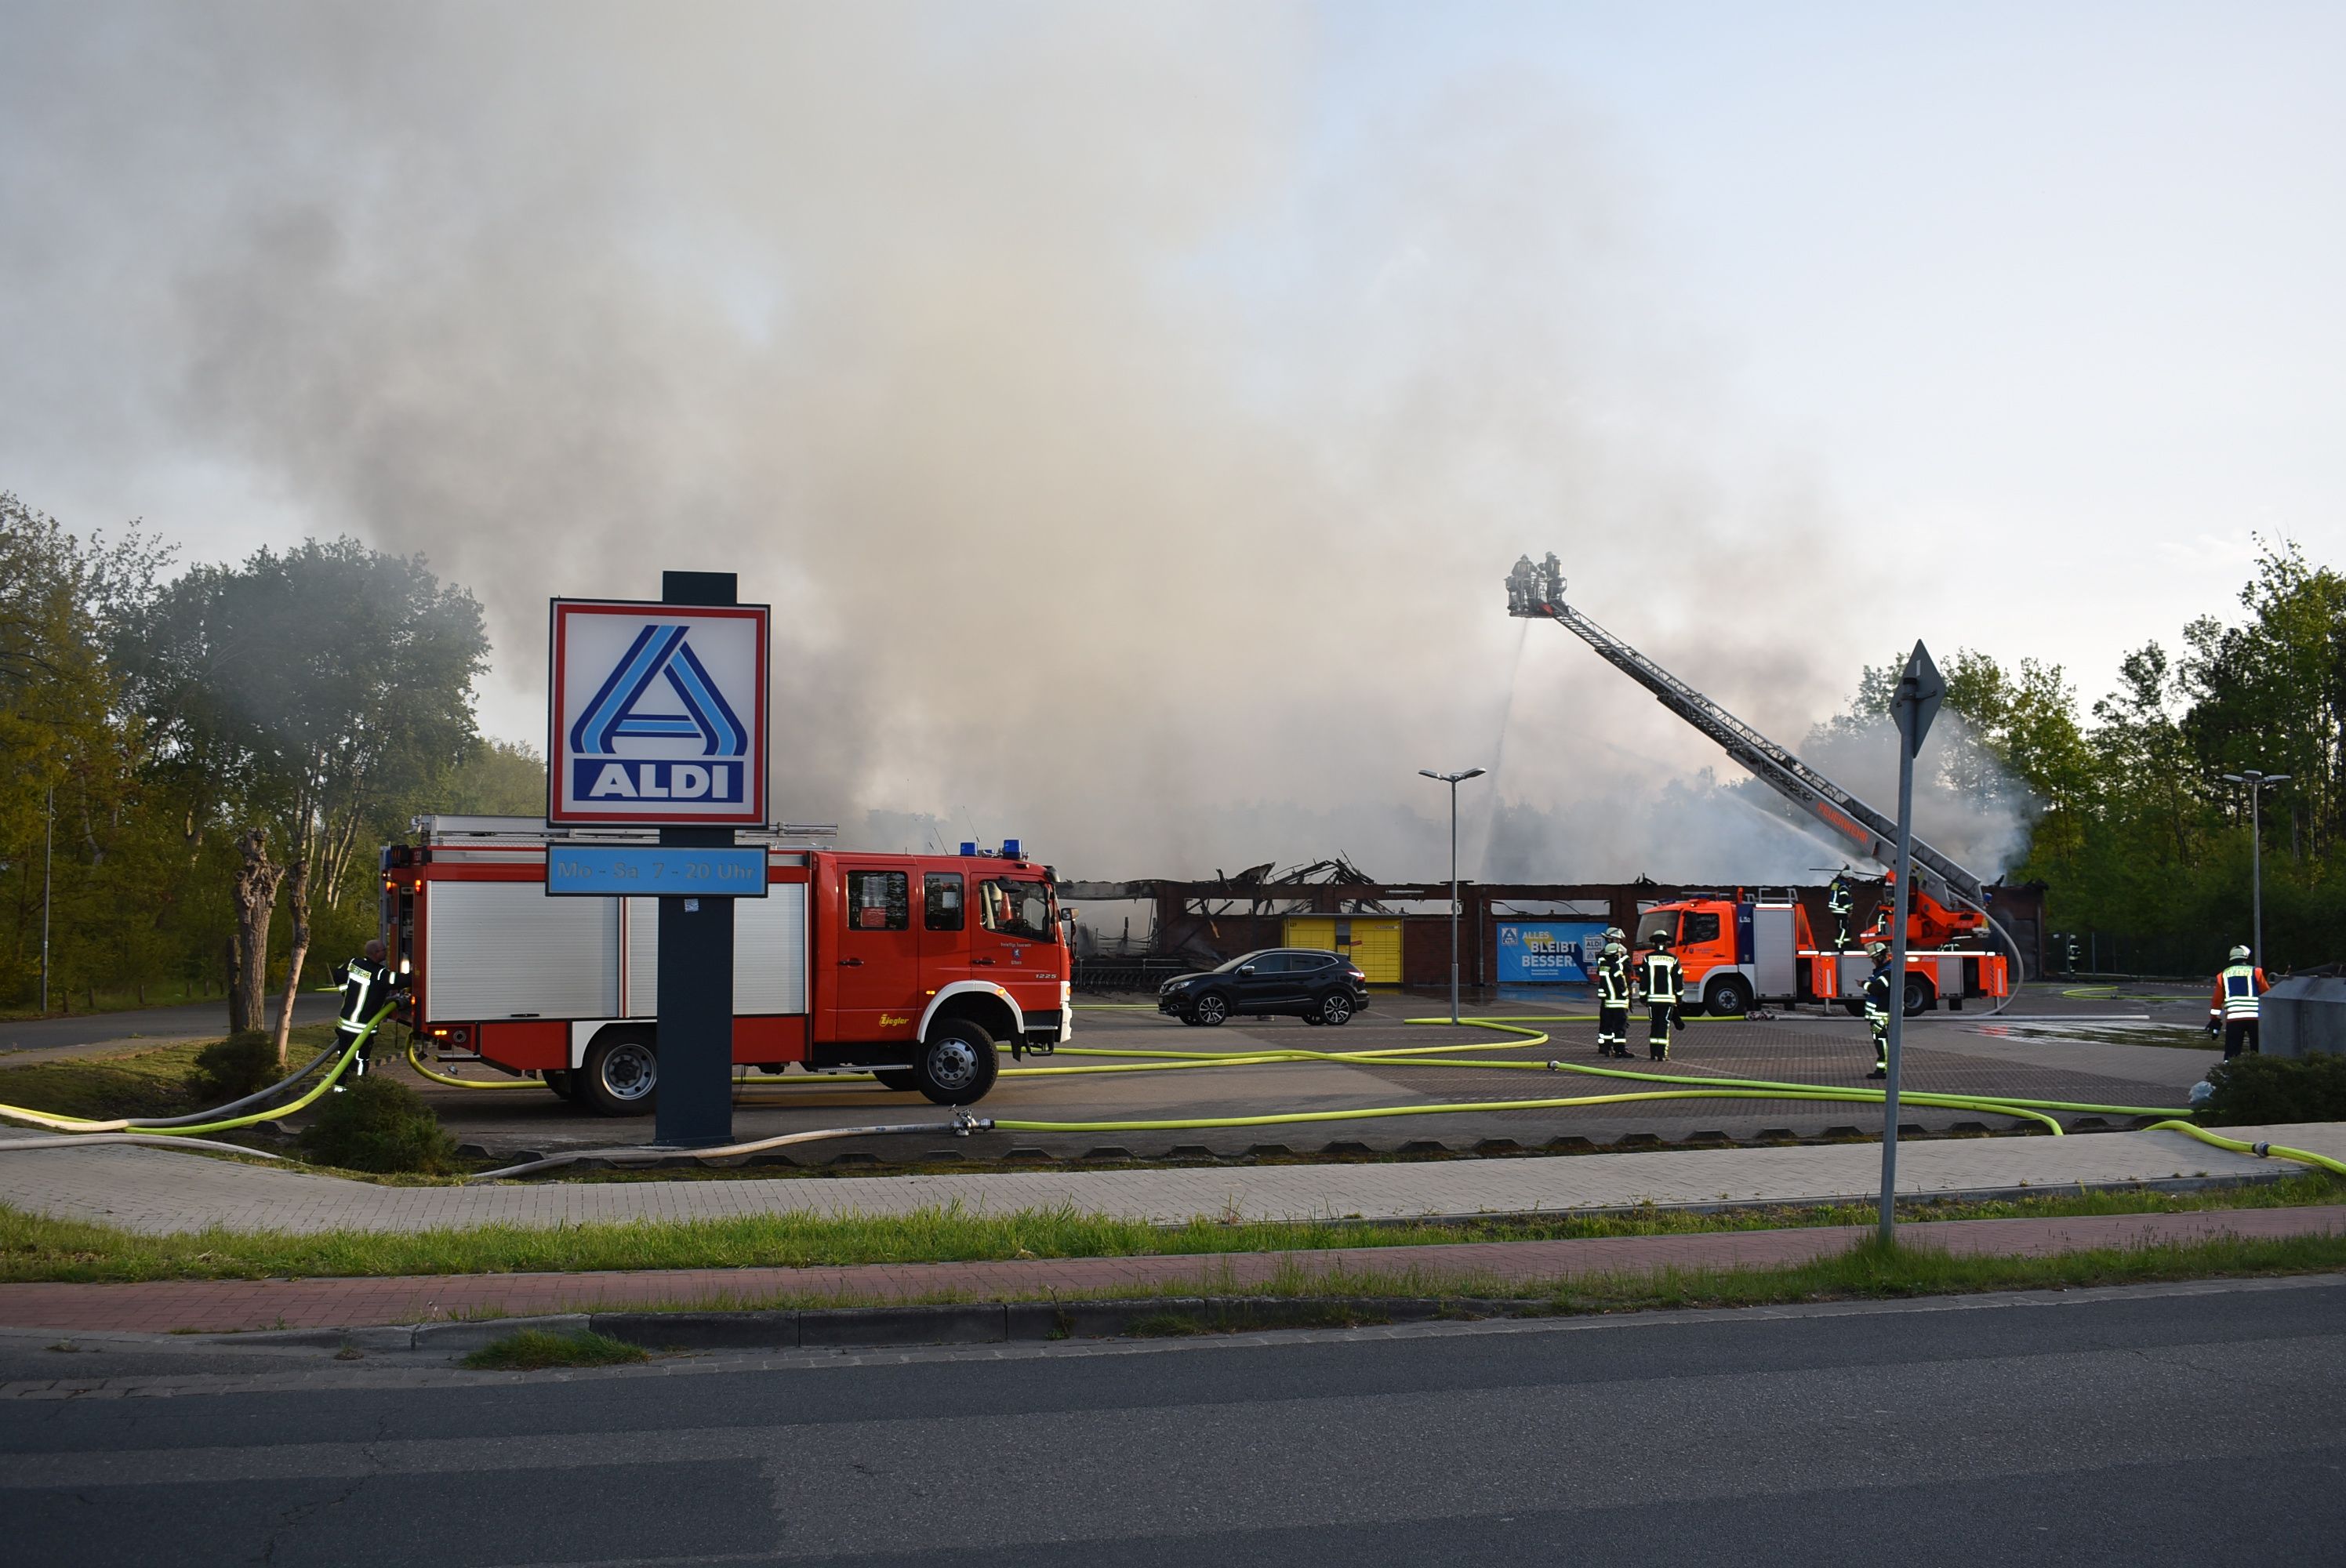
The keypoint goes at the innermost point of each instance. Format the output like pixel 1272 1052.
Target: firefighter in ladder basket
pixel 1837 900
pixel 1877 1006
pixel 367 983
pixel 1613 991
pixel 1658 978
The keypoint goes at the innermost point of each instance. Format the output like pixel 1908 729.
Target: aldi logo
pixel 657 713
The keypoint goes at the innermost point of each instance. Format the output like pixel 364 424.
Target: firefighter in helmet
pixel 367 985
pixel 1877 1006
pixel 1838 900
pixel 1658 978
pixel 2233 1010
pixel 1613 991
pixel 1522 590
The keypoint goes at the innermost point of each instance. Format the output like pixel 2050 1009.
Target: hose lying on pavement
pixel 212 1120
pixel 2262 1151
pixel 643 1154
pixel 149 1140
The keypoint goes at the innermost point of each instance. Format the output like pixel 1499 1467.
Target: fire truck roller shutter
pixel 769 948
pixel 505 949
pixel 1373 943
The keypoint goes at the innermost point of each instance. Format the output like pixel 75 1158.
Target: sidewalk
pixel 158 1192
pixel 228 1306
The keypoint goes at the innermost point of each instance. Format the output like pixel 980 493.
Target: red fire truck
pixel 918 969
pixel 1735 950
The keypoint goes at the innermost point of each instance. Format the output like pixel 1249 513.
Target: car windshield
pixel 1656 922
pixel 1232 967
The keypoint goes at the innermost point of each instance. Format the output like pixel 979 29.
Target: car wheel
pixel 957 1063
pixel 1729 996
pixel 622 1073
pixel 897 1078
pixel 1919 997
pixel 1210 1010
pixel 1336 1008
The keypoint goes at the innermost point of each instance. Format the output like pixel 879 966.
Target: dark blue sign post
pixel 696 959
pixel 658 718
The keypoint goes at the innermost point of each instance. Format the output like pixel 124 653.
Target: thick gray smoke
pixel 1131 440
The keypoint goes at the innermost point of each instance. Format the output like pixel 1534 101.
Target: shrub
pixel 2252 1091
pixel 233 1068
pixel 376 1125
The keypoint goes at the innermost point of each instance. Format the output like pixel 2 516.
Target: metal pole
pixel 2256 870
pixel 1453 900
pixel 48 853
pixel 1897 989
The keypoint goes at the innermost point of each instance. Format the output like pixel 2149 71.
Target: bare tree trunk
pixel 298 888
pixel 256 902
pixel 238 1021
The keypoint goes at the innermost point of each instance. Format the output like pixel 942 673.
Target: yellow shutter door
pixel 1373 942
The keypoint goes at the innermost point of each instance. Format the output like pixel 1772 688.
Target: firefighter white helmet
pixel 2239 955
pixel 1877 950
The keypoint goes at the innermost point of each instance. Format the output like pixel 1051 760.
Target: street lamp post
pixel 1452 779
pixel 2257 784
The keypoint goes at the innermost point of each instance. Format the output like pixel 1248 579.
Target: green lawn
pixel 35 1247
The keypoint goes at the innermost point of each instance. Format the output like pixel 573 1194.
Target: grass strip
pixel 153 1082
pixel 36 1247
pixel 535 1350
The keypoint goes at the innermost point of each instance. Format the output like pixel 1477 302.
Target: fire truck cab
pixel 918 969
pixel 1734 951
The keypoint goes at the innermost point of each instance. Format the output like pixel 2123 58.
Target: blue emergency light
pixel 1010 849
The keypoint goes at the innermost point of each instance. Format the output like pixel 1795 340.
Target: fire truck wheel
pixel 898 1078
pixel 622 1074
pixel 1920 998
pixel 956 1064
pixel 558 1080
pixel 1729 996
pixel 1210 1010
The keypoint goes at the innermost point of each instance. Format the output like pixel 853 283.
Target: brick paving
pixel 158 1192
pixel 229 1306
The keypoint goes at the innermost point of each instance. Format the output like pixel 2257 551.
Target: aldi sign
pixel 657 713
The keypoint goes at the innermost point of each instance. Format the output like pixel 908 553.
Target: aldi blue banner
pixel 1559 951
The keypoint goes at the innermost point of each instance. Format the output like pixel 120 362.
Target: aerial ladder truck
pixel 1735 951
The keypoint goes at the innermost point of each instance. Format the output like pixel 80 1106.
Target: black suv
pixel 1300 982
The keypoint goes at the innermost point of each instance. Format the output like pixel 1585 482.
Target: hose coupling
pixel 2264 1151
pixel 1555 1066
pixel 963 1123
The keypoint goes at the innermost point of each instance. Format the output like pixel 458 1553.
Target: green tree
pixel 300 698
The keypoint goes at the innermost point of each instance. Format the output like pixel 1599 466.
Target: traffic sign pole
pixel 1916 703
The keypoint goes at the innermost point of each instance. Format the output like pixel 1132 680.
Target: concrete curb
pixel 841 1328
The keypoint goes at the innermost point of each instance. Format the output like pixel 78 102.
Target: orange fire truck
pixel 1758 946
pixel 1735 950
pixel 918 969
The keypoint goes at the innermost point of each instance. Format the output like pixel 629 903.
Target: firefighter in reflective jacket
pixel 1613 991
pixel 367 983
pixel 2233 1009
pixel 1657 977
pixel 1877 1006
pixel 1837 900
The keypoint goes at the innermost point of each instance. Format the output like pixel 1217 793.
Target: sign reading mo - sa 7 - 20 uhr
pixel 657 713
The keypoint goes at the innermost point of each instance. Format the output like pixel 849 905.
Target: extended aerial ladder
pixel 1536 592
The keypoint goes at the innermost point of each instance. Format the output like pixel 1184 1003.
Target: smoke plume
pixel 1130 438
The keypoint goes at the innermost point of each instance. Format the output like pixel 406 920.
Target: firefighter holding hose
pixel 1658 977
pixel 1613 990
pixel 1877 1006
pixel 367 983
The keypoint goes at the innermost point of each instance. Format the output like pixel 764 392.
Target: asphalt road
pixel 27 1040
pixel 2181 1424
pixel 2093 1049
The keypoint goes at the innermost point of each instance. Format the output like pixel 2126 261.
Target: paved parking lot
pixel 2084 1047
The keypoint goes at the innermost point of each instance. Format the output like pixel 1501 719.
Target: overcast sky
pixel 1131 412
